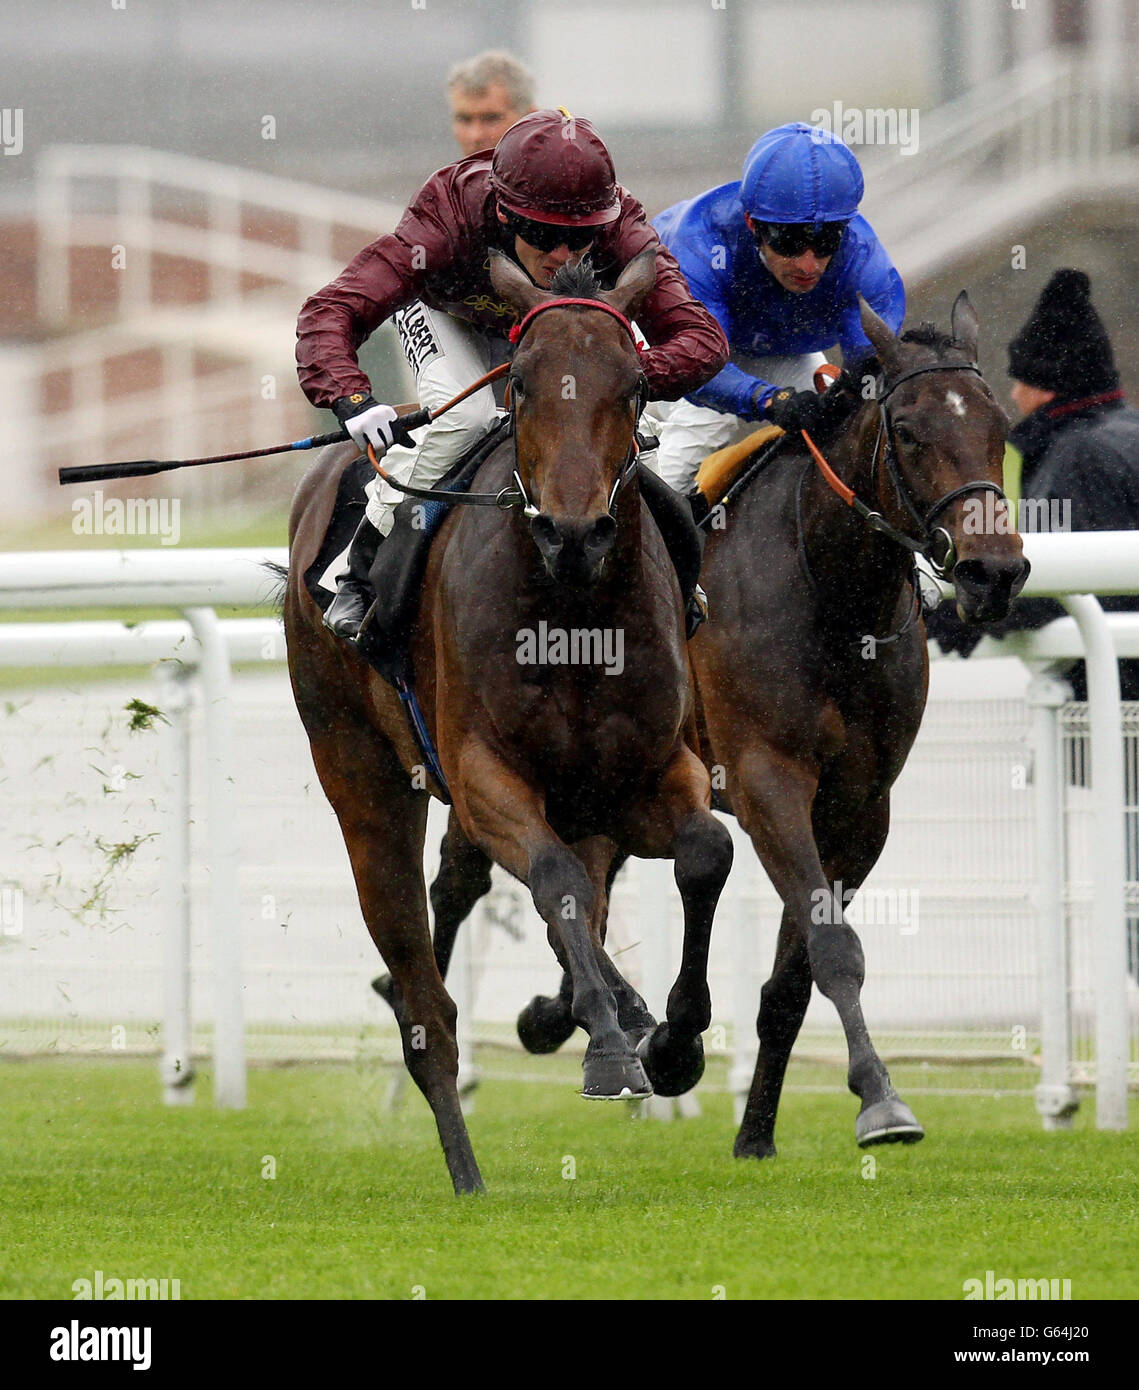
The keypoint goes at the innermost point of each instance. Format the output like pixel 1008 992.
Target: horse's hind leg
pixel 783 1004
pixel 463 878
pixel 383 823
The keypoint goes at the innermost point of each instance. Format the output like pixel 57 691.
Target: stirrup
pixel 347 624
pixel 696 613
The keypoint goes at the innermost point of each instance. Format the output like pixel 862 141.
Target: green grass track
pixel 96 1174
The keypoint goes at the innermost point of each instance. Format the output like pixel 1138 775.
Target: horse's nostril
pixel 546 534
pixel 600 536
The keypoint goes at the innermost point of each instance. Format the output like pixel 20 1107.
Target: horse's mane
pixel 923 334
pixel 928 335
pixel 577 281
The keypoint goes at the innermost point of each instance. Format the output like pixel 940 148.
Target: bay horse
pixel 812 675
pixel 552 767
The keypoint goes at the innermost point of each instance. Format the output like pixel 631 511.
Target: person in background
pixel 1078 444
pixel 488 93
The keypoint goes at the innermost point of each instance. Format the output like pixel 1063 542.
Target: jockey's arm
pixel 384 277
pixel 881 286
pixel 686 344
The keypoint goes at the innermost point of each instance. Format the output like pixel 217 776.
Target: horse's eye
pixel 904 435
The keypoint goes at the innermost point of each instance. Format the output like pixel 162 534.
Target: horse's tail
pixel 280 573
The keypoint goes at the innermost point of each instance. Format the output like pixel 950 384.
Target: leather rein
pixel 510 498
pixel 884 449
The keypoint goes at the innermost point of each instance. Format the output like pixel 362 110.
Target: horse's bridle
pixel 517 497
pixel 885 445
pixel 884 449
pixel 629 466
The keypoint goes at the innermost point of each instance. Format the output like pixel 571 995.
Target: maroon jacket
pixel 439 254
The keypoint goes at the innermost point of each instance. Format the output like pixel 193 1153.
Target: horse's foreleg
pixel 504 815
pixel 383 824
pixel 679 825
pixel 463 878
pixel 547 1022
pixel 773 795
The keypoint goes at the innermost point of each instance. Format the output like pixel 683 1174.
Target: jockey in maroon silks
pixel 546 196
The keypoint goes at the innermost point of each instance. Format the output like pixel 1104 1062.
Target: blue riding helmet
pixel 800 173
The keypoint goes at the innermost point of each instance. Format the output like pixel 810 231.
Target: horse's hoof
pixel 614 1076
pixel 382 984
pixel 673 1068
pixel 889 1121
pixel 753 1148
pixel 544 1024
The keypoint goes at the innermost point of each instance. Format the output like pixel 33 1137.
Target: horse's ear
pixel 964 324
pixel 513 284
pixel 881 336
pixel 635 284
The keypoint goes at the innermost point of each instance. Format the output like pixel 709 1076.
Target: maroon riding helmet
pixel 552 167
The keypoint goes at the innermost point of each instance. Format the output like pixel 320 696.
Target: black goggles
pixel 793 238
pixel 548 236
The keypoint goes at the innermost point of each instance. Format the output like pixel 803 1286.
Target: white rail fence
pixel 976 959
pixel 203 267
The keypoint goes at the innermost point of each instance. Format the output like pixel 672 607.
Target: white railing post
pixel 1105 724
pixel 176 1067
pixel 461 988
pixel 656 957
pixel 1056 1098
pixel 225 900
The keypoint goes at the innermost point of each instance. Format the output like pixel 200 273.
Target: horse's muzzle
pixel 574 552
pixel 987 586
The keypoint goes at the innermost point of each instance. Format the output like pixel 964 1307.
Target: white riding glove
pixel 371 423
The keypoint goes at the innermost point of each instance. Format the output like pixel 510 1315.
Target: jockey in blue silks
pixel 780 259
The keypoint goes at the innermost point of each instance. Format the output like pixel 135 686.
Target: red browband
pixel 517 331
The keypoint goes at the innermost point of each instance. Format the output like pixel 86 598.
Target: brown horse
pixel 551 766
pixel 812 677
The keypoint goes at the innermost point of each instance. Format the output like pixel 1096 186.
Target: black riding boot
pixel 354 593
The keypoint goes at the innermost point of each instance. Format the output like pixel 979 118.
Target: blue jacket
pixel 721 263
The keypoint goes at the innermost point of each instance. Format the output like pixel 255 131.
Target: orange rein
pixel 828 372
pixel 490 376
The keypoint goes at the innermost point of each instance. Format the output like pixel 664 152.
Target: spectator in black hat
pixel 1079 441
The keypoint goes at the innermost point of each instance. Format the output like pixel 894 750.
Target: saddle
pixel 720 470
